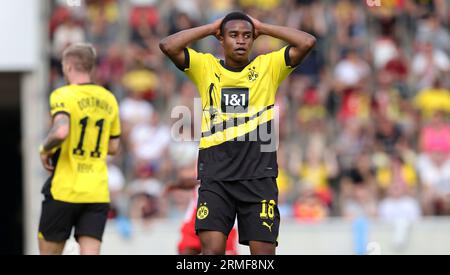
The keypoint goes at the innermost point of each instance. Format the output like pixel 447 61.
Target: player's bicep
pixel 296 55
pixel 113 146
pixel 298 52
pixel 115 129
pixel 114 132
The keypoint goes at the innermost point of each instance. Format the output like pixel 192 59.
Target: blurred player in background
pixel 85 129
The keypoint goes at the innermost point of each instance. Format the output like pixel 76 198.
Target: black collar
pixel 234 69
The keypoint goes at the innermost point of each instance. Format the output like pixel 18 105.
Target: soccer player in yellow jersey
pixel 85 129
pixel 237 171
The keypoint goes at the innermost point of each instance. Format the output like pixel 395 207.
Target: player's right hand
pixel 46 160
pixel 216 27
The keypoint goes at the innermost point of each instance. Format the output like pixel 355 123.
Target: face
pixel 237 40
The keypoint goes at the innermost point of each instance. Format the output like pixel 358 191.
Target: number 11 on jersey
pixel 79 151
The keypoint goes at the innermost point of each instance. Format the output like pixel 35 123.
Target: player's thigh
pixel 258 214
pixel 56 221
pixel 215 208
pixel 91 221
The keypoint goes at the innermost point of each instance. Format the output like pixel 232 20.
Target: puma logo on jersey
pixel 268 226
pixel 213 114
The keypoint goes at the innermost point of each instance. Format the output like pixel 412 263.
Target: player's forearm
pixel 57 134
pixel 299 39
pixel 176 43
pixel 113 146
pixel 52 142
pixel 187 183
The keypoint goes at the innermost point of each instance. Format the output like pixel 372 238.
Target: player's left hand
pixel 258 25
pixel 216 28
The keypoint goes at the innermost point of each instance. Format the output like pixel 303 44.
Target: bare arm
pixel 56 136
pixel 173 46
pixel 113 146
pixel 181 184
pixel 58 133
pixel 301 42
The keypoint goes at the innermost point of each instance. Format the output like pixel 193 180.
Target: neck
pixel 81 78
pixel 236 64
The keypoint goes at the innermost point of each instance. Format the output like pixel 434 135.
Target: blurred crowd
pixel 364 120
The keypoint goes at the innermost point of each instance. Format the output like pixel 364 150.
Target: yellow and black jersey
pixel 238 113
pixel 81 174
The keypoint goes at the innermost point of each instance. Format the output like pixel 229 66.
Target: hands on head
pixel 216 31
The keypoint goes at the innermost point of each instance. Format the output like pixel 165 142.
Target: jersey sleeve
pixel 115 123
pixel 195 65
pixel 280 64
pixel 59 103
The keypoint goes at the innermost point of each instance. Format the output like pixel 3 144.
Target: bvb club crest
pixel 252 74
pixel 202 211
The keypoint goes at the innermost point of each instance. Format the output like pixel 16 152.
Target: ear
pixel 255 34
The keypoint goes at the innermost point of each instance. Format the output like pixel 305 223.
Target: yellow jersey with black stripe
pixel 238 137
pixel 81 173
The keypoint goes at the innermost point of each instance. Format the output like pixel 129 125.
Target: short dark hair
pixel 236 15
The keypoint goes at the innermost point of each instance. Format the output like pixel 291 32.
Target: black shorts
pixel 253 201
pixel 58 218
